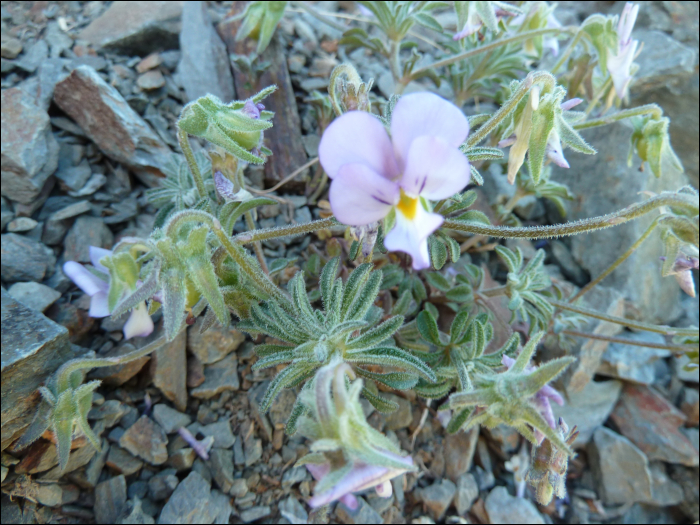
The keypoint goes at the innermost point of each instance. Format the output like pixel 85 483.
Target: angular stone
pixel 221 465
pixel 281 408
pixel 195 372
pixel 119 374
pixel 620 468
pixel 255 513
pixel 169 418
pixel 39 457
pixel 29 153
pixel 21 224
pixel 221 376
pixel 162 485
pixel 665 62
pixel 293 511
pixel 438 497
pixel 86 231
pixel 633 363
pixel 110 412
pixel 690 406
pixel 33 347
pixel 664 490
pixel 24 259
pixel 34 295
pixel 589 354
pixel 618 186
pixel 11 48
pixel 458 451
pixel 221 507
pixel 169 370
pixel 78 458
pixel 204 66
pixel 221 432
pixel 110 122
pixel 501 507
pixel 401 417
pixel 214 344
pixel 189 503
pixel 467 492
pixel 136 514
pixel 73 178
pixel 147 440
pixel 651 422
pixel 150 62
pixel 151 80
pixel 110 500
pixel 363 514
pixel 97 463
pixel 589 408
pixel 136 28
pixel 182 459
pixel 122 461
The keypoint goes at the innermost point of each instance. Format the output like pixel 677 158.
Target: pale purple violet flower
pixel 139 323
pixel 619 63
pixel 541 399
pixel 361 477
pixel 372 173
pixel 550 43
pixel 474 22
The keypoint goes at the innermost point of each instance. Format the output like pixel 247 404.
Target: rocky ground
pixel 90 95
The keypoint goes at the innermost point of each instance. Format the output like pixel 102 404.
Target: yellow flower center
pixel 408 206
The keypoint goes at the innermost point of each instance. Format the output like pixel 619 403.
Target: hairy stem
pixel 257 247
pixel 286 231
pixel 505 110
pixel 599 94
pixel 184 141
pixel 489 47
pixel 617 263
pixel 395 66
pixel 629 323
pixel 241 259
pixel 565 55
pixel 680 349
pixel 686 202
pixel 647 109
pixel 494 292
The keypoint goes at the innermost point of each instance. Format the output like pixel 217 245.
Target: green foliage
pixel 261 19
pixel 650 140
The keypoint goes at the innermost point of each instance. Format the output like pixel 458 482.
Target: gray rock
pixel 664 490
pixel 34 295
pixel 400 418
pixel 364 514
pixel 255 513
pixel 169 418
pixel 182 459
pixel 29 152
pixel 221 466
pixel 189 503
pixel 221 432
pixel 295 475
pixel 281 408
pixel 253 451
pixel 664 62
pixel 21 224
pixel 636 364
pixel 96 181
pixel 78 458
pixel 7 213
pixel 293 511
pixel 589 408
pixel 110 122
pixel 221 507
pixel 219 377
pixel 617 186
pixel 438 497
pixel 136 28
pixel 11 48
pixel 214 344
pixel 97 463
pixel 58 40
pixel 122 461
pixel 41 86
pixel 136 515
pixel 72 210
pixel 204 65
pixel 568 265
pixel 151 80
pixel 110 500
pixel 33 56
pixel 24 259
pixel 86 231
pixel 147 440
pixel 504 508
pixel 621 469
pixel 162 485
pixel 33 347
pixel 110 412
pixel 74 178
pixel 467 492
pixel 239 488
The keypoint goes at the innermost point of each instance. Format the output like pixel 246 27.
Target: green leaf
pixel 458 420
pixel 382 404
pixel 377 335
pixel 428 328
pixel 438 281
pixel 388 356
pixel 438 252
pixel 395 380
pixel 330 270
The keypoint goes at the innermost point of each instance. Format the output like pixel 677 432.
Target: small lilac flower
pixel 139 323
pixel 619 64
pixel 360 477
pixel 541 399
pixel 682 272
pixel 373 174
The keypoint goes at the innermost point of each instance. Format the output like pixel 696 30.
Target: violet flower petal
pixel 84 279
pixel 97 253
pixel 554 150
pixel 350 501
pixel 421 114
pixel 410 235
pixel 357 138
pixel 99 305
pixel 356 480
pixel 359 195
pixel 571 103
pixel 434 169
pixel 384 490
pixel 139 323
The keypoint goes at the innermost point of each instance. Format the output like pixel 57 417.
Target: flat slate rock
pixel 504 508
pixel 147 440
pixel 33 347
pixel 24 259
pixel 190 503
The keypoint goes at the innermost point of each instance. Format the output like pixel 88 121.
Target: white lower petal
pixel 99 305
pixel 410 235
pixel 139 323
